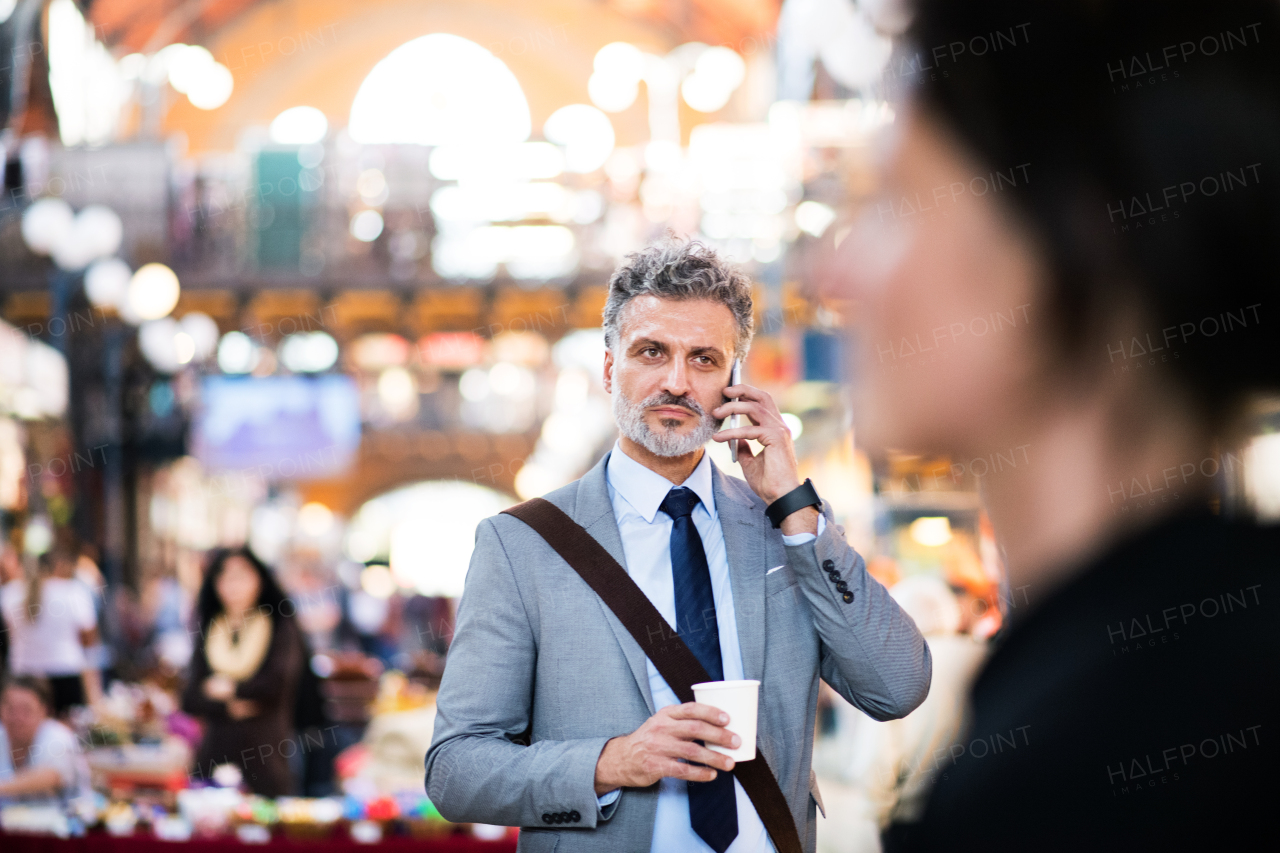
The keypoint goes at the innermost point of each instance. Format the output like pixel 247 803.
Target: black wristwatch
pixel 798 498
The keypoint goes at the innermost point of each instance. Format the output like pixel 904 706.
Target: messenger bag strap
pixel 660 643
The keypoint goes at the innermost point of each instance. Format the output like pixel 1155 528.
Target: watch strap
pixel 798 498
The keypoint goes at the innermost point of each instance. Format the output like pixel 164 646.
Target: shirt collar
pixel 645 489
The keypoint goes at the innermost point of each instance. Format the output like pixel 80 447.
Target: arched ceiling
pixel 283 53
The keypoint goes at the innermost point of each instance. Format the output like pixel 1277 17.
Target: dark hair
pixel 681 269
pixel 33 684
pixel 1151 135
pixel 271 598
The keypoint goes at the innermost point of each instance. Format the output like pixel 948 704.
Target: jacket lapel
pixel 746 548
pixel 594 511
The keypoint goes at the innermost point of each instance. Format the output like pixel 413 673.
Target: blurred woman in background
pixel 52 621
pixel 40 758
pixel 1081 218
pixel 244 674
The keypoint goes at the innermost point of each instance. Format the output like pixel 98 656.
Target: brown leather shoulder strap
pixel 660 643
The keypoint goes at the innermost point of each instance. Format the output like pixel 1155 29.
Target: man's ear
pixel 608 371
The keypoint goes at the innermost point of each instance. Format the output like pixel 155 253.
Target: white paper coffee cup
pixel 740 700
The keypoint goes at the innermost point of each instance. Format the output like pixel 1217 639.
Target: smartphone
pixel 735 378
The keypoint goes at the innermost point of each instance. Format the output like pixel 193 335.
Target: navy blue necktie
pixel 713 808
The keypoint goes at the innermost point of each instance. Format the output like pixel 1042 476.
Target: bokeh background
pixel 325 278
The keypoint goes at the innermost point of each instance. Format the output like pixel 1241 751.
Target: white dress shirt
pixel 636 493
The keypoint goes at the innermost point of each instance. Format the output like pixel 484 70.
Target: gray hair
pixel 681 269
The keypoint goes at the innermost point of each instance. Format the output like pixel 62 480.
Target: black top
pixel 1133 710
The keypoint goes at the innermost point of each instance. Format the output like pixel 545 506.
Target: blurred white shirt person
pixel 52 621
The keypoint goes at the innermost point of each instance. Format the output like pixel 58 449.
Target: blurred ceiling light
pixel 237 353
pixel 814 217
pixel 96 232
pixel 931 531
pixel 534 480
pixel 503 204
pixel 508 380
pixel 794 424
pixel 366 226
pixel 496 164
pixel 132 66
pixel 158 341
pixel 588 206
pixel 439 89
pixel 37 536
pixel 315 519
pixel 184 346
pixel 88 94
pixel 106 282
pixel 377 581
pixel 474 385
pixel 379 350
pixel 398 393
pixel 6 9
pixel 299 126
pixel 153 292
pixel 46 223
pixel 620 59
pixel 203 331
pixel 612 94
pixel 615 82
pixel 530 252
pixel 717 72
pixel 187 65
pixel 586 134
pixel 309 352
pixel 573 387
pixel 372 186
pixel 562 432
pixel 212 88
pixel 360 545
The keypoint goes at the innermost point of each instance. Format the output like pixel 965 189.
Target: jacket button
pixel 841 586
pixel 546 817
pixel 574 816
pixel 829 565
pixel 848 597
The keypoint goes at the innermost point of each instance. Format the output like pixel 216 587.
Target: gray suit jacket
pixel 538 657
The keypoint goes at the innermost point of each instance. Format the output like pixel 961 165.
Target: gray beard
pixel 668 442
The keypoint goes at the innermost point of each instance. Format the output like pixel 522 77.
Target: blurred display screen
pixel 279 427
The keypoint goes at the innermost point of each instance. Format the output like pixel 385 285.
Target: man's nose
pixel 676 381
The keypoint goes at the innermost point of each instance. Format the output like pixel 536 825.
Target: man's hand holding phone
pixel 773 471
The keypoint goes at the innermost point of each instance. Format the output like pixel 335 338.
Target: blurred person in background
pixel 166 610
pixel 100 655
pixel 10 570
pixel 896 761
pixel 52 622
pixel 1136 676
pixel 40 758
pixel 889 767
pixel 245 670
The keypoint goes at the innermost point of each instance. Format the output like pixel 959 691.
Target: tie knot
pixel 679 502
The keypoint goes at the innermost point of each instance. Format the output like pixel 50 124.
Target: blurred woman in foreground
pixel 1071 278
pixel 244 673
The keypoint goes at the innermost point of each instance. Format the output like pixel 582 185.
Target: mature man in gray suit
pixel 550 716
